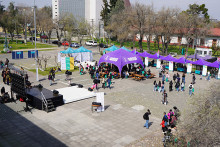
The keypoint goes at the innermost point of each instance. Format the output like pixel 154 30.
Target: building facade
pixel 81 9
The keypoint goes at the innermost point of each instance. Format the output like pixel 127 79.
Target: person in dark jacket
pixel 193 79
pixel 171 86
pixel 146 117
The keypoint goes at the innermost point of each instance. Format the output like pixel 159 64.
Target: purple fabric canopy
pixel 201 62
pixel 168 58
pixel 120 58
pixel 144 54
pixel 195 56
pixel 182 60
pixel 155 56
pixel 215 64
pixel 135 52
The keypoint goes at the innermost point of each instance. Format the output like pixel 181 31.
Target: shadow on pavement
pixel 18 131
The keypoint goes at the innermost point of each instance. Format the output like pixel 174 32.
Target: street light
pixel 35 42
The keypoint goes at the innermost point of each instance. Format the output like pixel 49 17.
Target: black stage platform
pixel 35 97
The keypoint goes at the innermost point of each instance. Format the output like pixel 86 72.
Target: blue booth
pixel 31 54
pixel 17 55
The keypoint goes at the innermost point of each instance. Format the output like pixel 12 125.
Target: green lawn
pixel 21 46
pixel 171 48
pixel 46 72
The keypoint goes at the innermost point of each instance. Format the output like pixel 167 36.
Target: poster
pixel 100 99
pixel 158 63
pixel 219 73
pixel 59 57
pixel 170 65
pixel 189 67
pixel 146 61
pixel 67 63
pixel 204 70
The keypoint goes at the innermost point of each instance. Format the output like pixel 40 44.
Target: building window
pixel 55 12
pixel 205 52
pixel 55 15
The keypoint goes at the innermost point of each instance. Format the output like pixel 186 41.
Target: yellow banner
pixel 71 63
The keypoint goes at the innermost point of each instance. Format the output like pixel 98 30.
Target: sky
pixel 212 5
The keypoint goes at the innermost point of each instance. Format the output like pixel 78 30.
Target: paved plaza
pixel 74 124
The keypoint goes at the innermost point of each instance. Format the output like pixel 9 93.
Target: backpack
pixel 144 116
pixel 190 87
pixel 171 114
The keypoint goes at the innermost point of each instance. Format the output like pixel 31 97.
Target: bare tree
pixel 44 59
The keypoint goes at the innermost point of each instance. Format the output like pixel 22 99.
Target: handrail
pixel 44 101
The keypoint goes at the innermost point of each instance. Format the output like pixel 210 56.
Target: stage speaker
pixel 80 86
pixel 73 84
pixel 39 86
pixel 90 89
pixel 55 92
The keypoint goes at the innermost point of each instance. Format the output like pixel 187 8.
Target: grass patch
pixel 47 70
pixel 21 46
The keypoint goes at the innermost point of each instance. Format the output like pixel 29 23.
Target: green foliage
pixel 199 10
pixel 105 12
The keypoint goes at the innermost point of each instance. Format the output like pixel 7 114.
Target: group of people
pixel 169 119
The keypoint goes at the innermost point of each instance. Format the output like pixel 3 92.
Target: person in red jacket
pixel 163 126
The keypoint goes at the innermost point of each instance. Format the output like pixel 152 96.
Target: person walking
pixel 155 86
pixel 176 112
pixel 208 77
pixel 109 82
pixel 167 77
pixel 183 78
pixel 146 117
pixel 162 86
pixel 103 82
pixel 190 89
pixel 163 78
pixel 164 98
pixel 177 86
pixel 169 115
pixel 159 85
pixel 50 78
pixel 193 79
pixel 174 78
pixel 171 86
pixel 182 86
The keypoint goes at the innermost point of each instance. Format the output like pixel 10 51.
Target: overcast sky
pixel 212 5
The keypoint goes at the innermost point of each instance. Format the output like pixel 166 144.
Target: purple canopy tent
pixel 168 58
pixel 144 54
pixel 120 58
pixel 155 56
pixel 201 62
pixel 135 52
pixel 182 60
pixel 215 64
pixel 207 57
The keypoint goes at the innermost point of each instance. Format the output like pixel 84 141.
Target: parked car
pixel 33 38
pixel 91 43
pixel 74 45
pixel 66 43
pixel 103 45
pixel 173 54
pixel 55 42
pixel 44 37
pixel 18 36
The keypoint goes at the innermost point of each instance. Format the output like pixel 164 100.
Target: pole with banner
pixel 146 62
pixel 158 63
pixel 170 65
pixel 189 68
pixel 204 70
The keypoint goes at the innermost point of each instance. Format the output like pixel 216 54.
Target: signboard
pixel 170 65
pixel 100 99
pixel 158 63
pixel 189 67
pixel 67 63
pixel 204 70
pixel 146 61
pixel 219 73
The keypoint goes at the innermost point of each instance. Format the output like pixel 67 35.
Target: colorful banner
pixel 59 57
pixel 158 63
pixel 67 63
pixel 204 70
pixel 189 67
pixel 219 73
pixel 170 65
pixel 146 61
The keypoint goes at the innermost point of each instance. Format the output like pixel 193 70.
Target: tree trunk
pixel 140 43
pixel 148 43
pixel 162 45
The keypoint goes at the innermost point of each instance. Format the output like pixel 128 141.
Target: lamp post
pixel 35 42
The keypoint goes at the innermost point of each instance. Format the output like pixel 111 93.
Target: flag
pixel 158 53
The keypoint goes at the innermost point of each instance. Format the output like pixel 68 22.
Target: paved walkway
pixel 74 124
